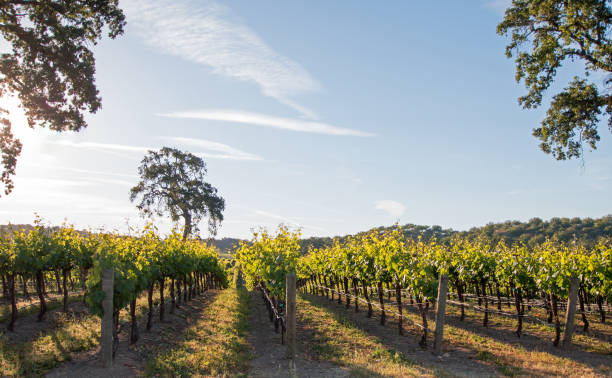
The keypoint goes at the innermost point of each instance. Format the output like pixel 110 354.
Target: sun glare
pixel 19 122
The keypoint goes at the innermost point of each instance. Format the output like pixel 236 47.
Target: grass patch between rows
pixel 215 346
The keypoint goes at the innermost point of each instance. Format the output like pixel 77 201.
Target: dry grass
pixel 34 358
pixel 499 348
pixel 339 341
pixel 215 346
pixel 532 355
pixel 36 352
pixel 29 306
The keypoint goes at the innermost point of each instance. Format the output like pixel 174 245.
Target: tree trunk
pixel 178 293
pixel 172 297
pixel 498 296
pixel 134 326
pixel 460 294
pixel 585 322
pixel 71 282
pixel 44 286
pixel 339 291
pixel 517 302
pixel 115 331
pixel 423 342
pixel 185 289
pixel 5 293
pixel 187 229
pixel 24 283
pixel 324 279
pixel 150 313
pixel 602 313
pixel 356 293
pixel 41 297
pixel 382 302
pixel 65 288
pixel 347 295
pixel 162 304
pixel 367 297
pixel 398 298
pixel 83 273
pixel 58 282
pixel 508 296
pixel 190 277
pixel 555 308
pixel 549 313
pixel 485 320
pixel 11 292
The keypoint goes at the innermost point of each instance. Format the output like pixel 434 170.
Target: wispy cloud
pixel 393 208
pixel 65 183
pixel 101 146
pixel 223 150
pixel 212 150
pixel 257 119
pixel 78 170
pixel 516 192
pixel 208 33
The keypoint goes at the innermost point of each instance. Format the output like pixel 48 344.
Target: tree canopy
pixel 50 68
pixel 545 34
pixel 173 181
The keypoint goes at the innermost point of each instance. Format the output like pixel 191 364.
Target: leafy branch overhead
pixel 546 33
pixel 50 67
pixel 173 181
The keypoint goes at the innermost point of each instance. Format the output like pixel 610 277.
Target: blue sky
pixel 332 116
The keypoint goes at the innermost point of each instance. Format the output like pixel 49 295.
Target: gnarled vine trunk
pixel 134 322
pixel 41 296
pixel 382 302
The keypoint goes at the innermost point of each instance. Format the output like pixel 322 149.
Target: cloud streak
pixel 393 208
pixel 257 119
pixel 223 150
pixel 212 150
pixel 210 34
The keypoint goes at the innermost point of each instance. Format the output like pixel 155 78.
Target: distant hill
pixel 535 231
pixel 226 245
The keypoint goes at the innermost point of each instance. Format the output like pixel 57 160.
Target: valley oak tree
pixel 173 181
pixel 545 34
pixel 48 65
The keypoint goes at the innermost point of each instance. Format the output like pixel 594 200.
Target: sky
pixel 334 117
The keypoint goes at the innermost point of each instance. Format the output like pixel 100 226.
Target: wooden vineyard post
pixel 570 312
pixel 290 315
pixel 106 339
pixel 440 313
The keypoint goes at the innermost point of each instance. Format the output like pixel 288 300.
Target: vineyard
pixel 167 271
pixel 379 264
pixel 399 279
pixel 520 292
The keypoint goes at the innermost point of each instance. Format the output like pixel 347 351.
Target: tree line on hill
pixel 535 231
